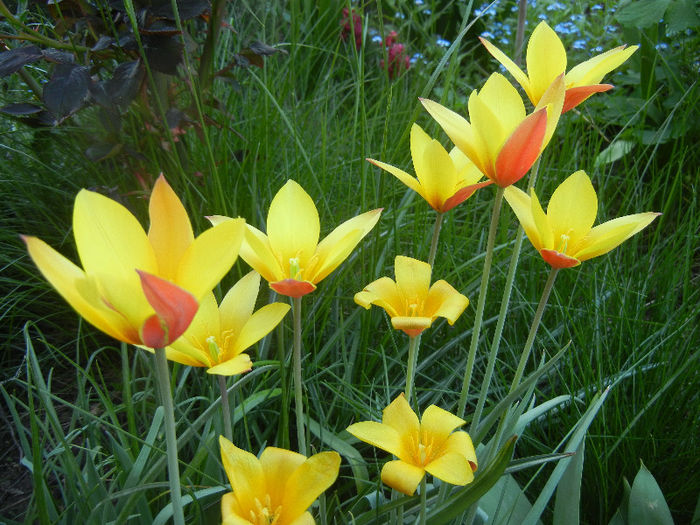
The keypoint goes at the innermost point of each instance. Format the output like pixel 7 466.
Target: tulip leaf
pixel 646 501
pixel 505 503
pixel 568 498
pixel 13 60
pixel 199 496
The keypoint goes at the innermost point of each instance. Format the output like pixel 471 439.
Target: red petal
pixel 521 149
pixel 174 308
pixel 575 96
pixel 558 260
pixel 292 287
pixel 462 195
pixel 412 332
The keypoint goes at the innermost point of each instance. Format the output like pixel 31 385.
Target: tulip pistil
pixel 213 348
pixel 564 241
pixel 294 269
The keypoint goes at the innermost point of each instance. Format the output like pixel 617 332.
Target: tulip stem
pixel 298 402
pixel 163 380
pixel 471 356
pixel 436 236
pixel 423 500
pixel 414 343
pixel 228 426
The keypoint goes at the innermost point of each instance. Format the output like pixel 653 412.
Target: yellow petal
pixel 412 279
pixel 437 424
pixel 451 468
pixel 461 443
pixel 170 232
pixel 553 100
pixel 544 229
pixel 411 325
pixel 467 172
pixel 238 303
pixel 304 519
pixel 245 474
pixel 438 176
pixel 521 204
pixel 505 103
pixel 518 74
pixel 404 177
pixel 444 301
pixel 205 324
pixel 572 210
pixel 210 257
pixel 230 511
pixel 608 235
pixel 384 293
pixel 489 134
pixel 257 252
pixel 546 59
pixel 307 483
pixel 259 325
pixel 79 291
pixel 399 416
pixel 279 465
pixel 402 476
pixel 378 435
pixel 110 240
pixel 339 244
pixel 593 70
pixel 237 365
pixel 186 354
pixel 293 226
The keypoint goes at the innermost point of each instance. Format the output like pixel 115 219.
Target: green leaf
pixel 568 498
pixel 647 504
pixel 505 503
pixel 681 15
pixel 642 13
pixel 615 151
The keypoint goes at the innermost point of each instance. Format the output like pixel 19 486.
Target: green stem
pixel 436 236
pixel 495 214
pixel 225 408
pixel 163 380
pixel 298 402
pixel 283 432
pixel 520 31
pixel 413 344
pixel 423 499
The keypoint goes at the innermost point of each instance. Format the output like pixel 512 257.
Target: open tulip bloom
pixel 277 488
pixel 443 179
pixel 290 257
pixel 501 139
pixel 429 445
pixel 546 60
pixel 565 235
pixel 139 288
pixel 219 334
pixel 410 301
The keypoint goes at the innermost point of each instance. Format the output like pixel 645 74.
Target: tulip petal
pixel 239 302
pixel 544 229
pixel 461 443
pixel 279 465
pixel 559 260
pixel 438 175
pixel 307 483
pixel 609 235
pixel 546 59
pixel 384 293
pixel 574 96
pixel 521 204
pixel 257 252
pixel 444 301
pixel 489 133
pixel 451 468
pixel 174 308
pixel 170 232
pixel 412 279
pixel 293 288
pixel 210 257
pixel 518 74
pixel 504 101
pixel 594 69
pixel 572 209
pixel 230 511
pixel 521 149
pixel 293 225
pixel 304 519
pixel 412 326
pixel 437 424
pixel 399 416
pixel 462 194
pixel 402 476
pixel 379 435
pixel 193 343
pixel 404 177
pixel 245 474
pixel 553 101
pixel 185 354
pixel 259 325
pixel 236 365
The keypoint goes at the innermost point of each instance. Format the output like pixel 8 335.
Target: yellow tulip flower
pixel 276 489
pixel 546 60
pixel 290 257
pixel 501 140
pixel 411 302
pixel 218 335
pixel 138 288
pixel 444 179
pixel 564 236
pixel 429 445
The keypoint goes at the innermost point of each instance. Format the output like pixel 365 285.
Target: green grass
pixel 82 407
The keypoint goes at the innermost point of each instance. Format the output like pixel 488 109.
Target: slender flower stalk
pixel 483 288
pixel 436 237
pixel 163 380
pixel 225 408
pixel 413 345
pixel 423 501
pixel 296 358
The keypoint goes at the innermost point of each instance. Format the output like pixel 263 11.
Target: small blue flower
pixel 400 16
pixel 580 43
pixel 504 41
pixel 487 34
pixel 596 7
pixel 556 6
pixel 577 18
pixel 377 39
pixel 598 49
pixel 542 16
pixel 419 2
pixel 661 46
pixel 415 58
pixel 427 12
pixel 610 29
pixel 442 42
pixel 566 28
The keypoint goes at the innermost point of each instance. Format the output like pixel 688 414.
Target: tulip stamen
pixel 262 515
pixel 213 348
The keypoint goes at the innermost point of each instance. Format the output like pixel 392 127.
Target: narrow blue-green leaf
pixel 647 504
pixel 167 512
pixel 568 498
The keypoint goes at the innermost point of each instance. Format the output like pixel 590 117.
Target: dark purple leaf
pixel 103 151
pixel 103 43
pixel 67 90
pixel 159 29
pixel 163 53
pixel 186 8
pixel 12 61
pixel 58 57
pixel 262 49
pixel 21 109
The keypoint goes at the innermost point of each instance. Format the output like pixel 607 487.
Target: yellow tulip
pixel 218 335
pixel 290 257
pixel 546 60
pixel 564 236
pixel 444 179
pixel 501 140
pixel 276 489
pixel 138 288
pixel 429 445
pixel 410 301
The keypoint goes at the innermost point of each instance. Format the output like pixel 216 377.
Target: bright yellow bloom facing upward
pixel 275 489
pixel 444 179
pixel 290 257
pixel 410 301
pixel 546 60
pixel 429 445
pixel 129 278
pixel 218 335
pixel 500 138
pixel 564 236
